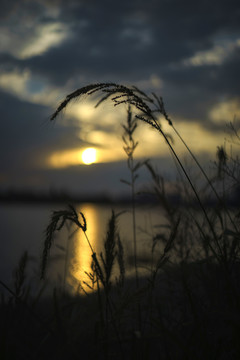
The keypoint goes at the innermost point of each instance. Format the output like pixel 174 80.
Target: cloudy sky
pixel 186 51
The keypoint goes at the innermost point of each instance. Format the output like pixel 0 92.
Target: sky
pixel 188 52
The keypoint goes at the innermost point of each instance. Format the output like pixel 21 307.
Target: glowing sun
pixel 89 156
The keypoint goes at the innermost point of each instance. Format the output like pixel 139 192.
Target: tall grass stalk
pixel 130 145
pixel 58 220
pixel 121 94
pixel 189 309
pixel 162 110
pixel 102 272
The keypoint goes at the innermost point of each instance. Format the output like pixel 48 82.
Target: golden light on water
pixel 97 218
pixel 89 156
pixel 82 254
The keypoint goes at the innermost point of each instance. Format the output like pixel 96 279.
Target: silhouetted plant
pixel 58 220
pixel 189 307
pixel 130 145
pixel 147 110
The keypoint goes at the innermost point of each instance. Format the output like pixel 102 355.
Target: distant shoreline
pixel 28 197
pixel 48 198
pixel 58 198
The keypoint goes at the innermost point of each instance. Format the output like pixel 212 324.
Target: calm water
pixel 22 228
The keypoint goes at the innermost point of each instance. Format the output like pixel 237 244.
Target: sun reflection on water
pixel 97 218
pixel 81 253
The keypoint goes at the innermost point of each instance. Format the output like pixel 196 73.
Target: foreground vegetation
pixel 188 304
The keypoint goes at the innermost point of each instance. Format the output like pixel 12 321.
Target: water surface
pixel 22 228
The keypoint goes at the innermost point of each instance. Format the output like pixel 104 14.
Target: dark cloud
pixel 229 74
pixel 128 41
pixel 132 40
pixel 222 79
pixel 27 136
pixel 202 87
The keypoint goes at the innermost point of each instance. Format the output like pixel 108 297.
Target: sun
pixel 89 156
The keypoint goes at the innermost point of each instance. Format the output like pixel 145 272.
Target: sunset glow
pixel 43 64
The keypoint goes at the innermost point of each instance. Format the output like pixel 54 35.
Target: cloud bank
pixel 187 52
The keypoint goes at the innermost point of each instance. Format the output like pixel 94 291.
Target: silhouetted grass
pixel 188 306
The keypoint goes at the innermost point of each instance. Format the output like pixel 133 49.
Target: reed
pixel 148 108
pixel 190 301
pixel 130 145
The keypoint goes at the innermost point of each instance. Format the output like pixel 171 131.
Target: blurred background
pixel 187 52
